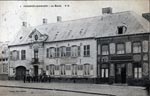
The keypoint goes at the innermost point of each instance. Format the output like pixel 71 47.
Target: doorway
pixel 36 70
pixel 120 73
pixel 20 72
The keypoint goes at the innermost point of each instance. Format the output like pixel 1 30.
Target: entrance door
pixel 20 72
pixel 120 73
pixel 36 70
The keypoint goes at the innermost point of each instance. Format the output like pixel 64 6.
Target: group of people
pixel 41 78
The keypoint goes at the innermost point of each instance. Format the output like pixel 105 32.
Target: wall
pixel 80 60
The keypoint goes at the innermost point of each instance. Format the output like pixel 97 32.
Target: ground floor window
pixel 80 67
pixel 87 69
pixel 57 67
pixel 62 70
pixel 74 69
pixel 5 67
pixel 52 70
pixel 104 71
pixel 137 71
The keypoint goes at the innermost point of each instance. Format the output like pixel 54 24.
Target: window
pixel 11 55
pixel 52 52
pixel 36 37
pixel 105 50
pixel 136 47
pixel 47 67
pixel 120 48
pixel 3 52
pixel 14 70
pixel 80 67
pixel 47 53
pixel 74 69
pixel 14 55
pixel 51 69
pixel 99 49
pixel 74 51
pixel 5 67
pixel 62 69
pixel 63 51
pixel 86 50
pixel 78 50
pixel 36 53
pixel 23 54
pixel 57 52
pixel 87 69
pixel 57 67
pixel 137 71
pixel 91 67
pixel 122 29
pixel 104 71
pixel 68 51
pixel 68 67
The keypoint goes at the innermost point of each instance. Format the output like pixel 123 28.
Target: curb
pixel 84 92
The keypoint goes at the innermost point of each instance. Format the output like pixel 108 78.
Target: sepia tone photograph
pixel 75 47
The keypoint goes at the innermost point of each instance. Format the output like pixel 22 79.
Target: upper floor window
pixel 52 51
pixel 23 54
pixel 36 37
pixel 36 52
pixel 57 52
pixel 105 50
pixel 47 52
pixel 74 51
pixel 86 50
pixel 120 48
pixel 3 52
pixel 68 51
pixel 122 29
pixel 63 51
pixel 14 55
pixel 136 47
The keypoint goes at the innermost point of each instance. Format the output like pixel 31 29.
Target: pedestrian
pixel 49 78
pixel 24 78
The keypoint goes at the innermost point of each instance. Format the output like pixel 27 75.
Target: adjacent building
pixel 111 48
pixel 4 55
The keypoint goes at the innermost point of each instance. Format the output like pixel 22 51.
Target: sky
pixel 13 13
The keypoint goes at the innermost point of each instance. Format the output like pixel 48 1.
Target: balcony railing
pixel 35 61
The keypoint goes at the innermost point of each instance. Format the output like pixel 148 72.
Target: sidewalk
pixel 99 89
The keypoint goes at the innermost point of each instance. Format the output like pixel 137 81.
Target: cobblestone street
pixel 18 88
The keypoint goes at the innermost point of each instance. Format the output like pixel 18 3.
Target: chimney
pixel 44 21
pixel 59 18
pixel 24 24
pixel 107 10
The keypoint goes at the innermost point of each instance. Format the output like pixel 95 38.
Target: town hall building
pixel 111 48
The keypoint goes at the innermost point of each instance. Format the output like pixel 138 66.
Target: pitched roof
pixel 99 26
